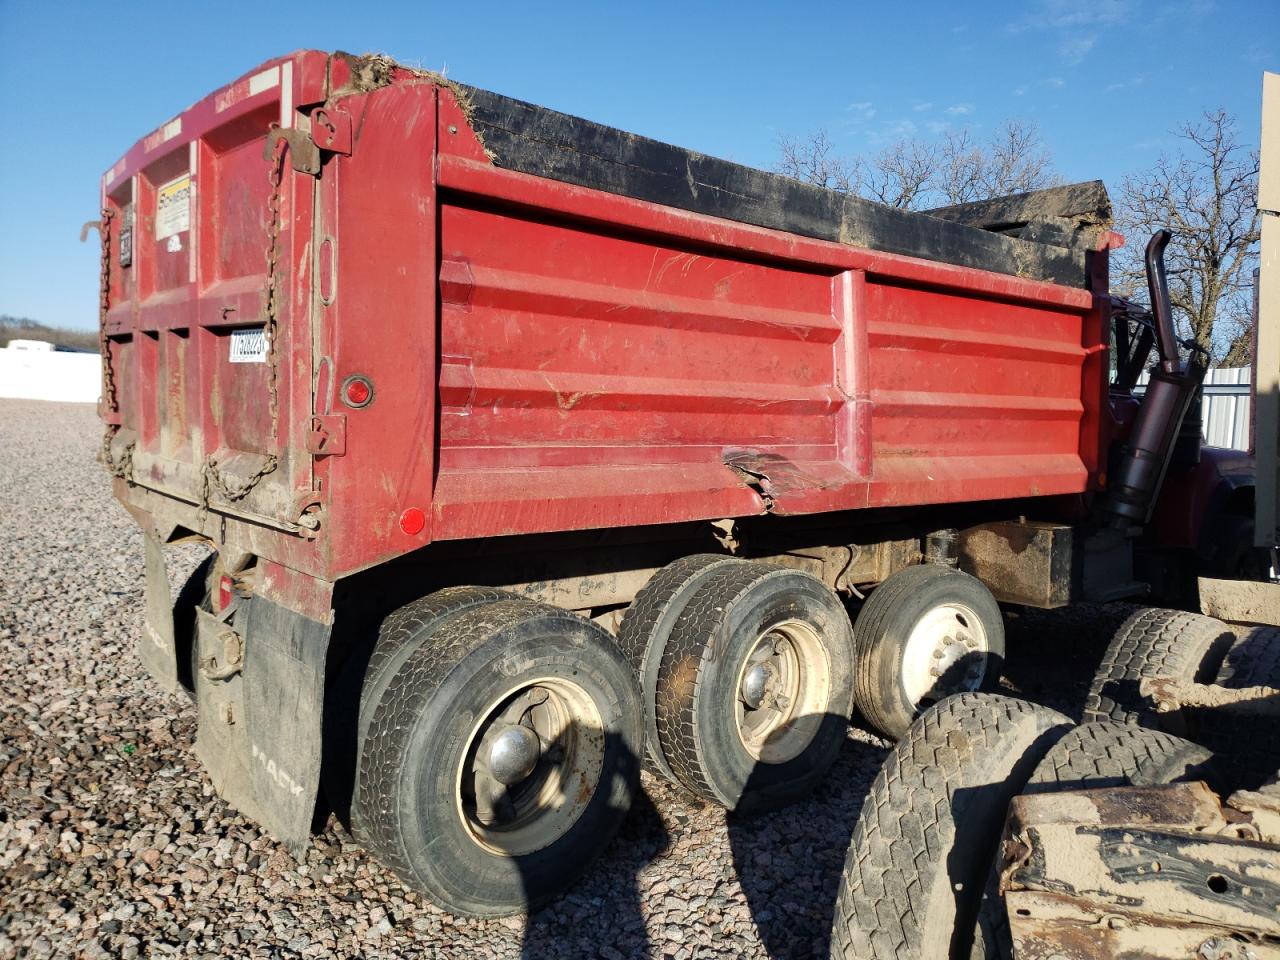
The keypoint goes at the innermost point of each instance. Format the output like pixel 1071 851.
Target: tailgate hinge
pixel 331 130
pixel 328 435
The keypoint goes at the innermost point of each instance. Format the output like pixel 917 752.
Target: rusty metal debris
pixel 1157 872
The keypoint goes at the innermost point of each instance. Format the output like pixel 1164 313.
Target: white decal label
pixel 249 346
pixel 264 81
pixel 173 207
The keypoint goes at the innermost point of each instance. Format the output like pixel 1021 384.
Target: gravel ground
pixel 112 843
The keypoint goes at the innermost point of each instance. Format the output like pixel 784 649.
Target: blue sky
pixel 1106 80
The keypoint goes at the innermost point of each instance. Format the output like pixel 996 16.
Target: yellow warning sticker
pixel 173 207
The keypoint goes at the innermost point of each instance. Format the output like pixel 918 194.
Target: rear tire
pixel 399 636
pixel 1154 643
pixel 926 633
pixel 501 756
pixel 646 628
pixel 926 836
pixel 755 687
pixel 1108 754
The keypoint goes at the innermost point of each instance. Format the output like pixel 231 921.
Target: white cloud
pixel 1075 49
pixel 921 105
pixel 863 109
pixel 1054 82
pixel 959 109
pixel 1075 24
pixel 895 130
pixel 1070 15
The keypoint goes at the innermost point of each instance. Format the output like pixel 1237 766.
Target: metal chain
pixel 123 467
pixel 213 481
pixel 276 176
pixel 213 478
pixel 104 304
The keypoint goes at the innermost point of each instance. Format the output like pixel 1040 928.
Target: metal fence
pixel 1226 407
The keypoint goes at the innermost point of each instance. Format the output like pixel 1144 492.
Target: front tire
pixel 501 757
pixel 926 633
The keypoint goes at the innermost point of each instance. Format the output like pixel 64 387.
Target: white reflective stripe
pixel 192 161
pixel 171 130
pixel 263 81
pixel 286 95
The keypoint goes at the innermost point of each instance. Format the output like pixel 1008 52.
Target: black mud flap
pixel 156 642
pixel 260 725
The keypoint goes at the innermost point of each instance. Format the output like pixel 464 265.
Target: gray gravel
pixel 112 842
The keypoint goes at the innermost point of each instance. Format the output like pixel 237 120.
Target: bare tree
pixel 915 173
pixel 1017 160
pixel 813 160
pixel 1207 194
pixel 903 174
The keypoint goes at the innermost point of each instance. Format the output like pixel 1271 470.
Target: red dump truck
pixel 535 452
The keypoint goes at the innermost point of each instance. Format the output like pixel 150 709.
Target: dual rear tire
pixel 498 751
pixel 746 676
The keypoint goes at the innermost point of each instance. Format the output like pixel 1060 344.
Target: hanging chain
pixel 213 480
pixel 104 304
pixel 122 467
pixel 276 177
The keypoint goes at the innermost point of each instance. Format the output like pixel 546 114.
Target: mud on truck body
pixel 534 452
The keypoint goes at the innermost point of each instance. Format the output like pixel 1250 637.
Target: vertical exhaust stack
pixel 1135 483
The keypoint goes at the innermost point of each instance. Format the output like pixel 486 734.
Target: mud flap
pixel 156 643
pixel 260 729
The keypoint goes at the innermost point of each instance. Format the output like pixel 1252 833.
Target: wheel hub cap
pixel 534 762
pixel 783 691
pixel 757 684
pixel 514 754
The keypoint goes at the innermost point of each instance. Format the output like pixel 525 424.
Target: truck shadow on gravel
pixel 789 861
pixel 1051 656
pixel 601 915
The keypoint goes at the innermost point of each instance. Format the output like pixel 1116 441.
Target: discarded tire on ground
pixel 926 633
pixel 1154 643
pixel 1109 754
pixel 501 755
pixel 755 686
pixel 646 628
pixel 1092 756
pixel 926 836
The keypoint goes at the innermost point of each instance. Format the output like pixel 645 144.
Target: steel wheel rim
pixel 777 719
pixel 945 653
pixel 533 811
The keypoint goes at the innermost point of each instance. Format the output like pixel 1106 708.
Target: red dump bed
pixel 543 355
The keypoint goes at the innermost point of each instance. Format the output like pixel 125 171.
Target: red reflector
pixel 357 391
pixel 225 586
pixel 412 521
